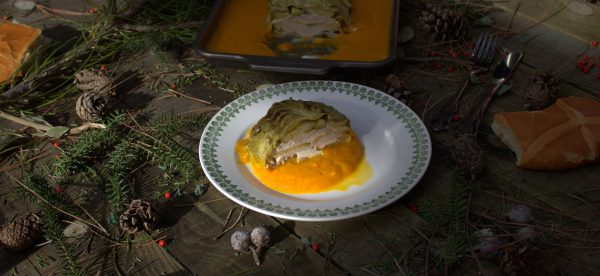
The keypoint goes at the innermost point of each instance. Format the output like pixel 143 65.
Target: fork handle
pixel 471 123
pixel 441 120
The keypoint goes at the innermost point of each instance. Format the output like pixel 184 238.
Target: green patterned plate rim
pixel 405 133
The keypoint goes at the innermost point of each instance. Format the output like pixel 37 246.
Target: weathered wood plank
pixel 577 18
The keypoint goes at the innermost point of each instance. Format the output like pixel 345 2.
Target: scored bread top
pixel 564 135
pixel 15 40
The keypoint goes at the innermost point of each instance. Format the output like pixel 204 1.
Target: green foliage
pixel 168 127
pixel 38 184
pixel 53 231
pixel 123 159
pixel 449 218
pixel 86 149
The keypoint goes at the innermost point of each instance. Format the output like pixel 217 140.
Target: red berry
pixel 93 10
pixel 456 117
pixel 56 156
pixel 162 243
pixel 315 246
pixel 432 53
pixel 451 68
pixel 586 70
pixel 167 194
pixel 103 67
pixel 55 144
pixel 59 189
pixel 467 54
pixel 595 43
pixel 412 207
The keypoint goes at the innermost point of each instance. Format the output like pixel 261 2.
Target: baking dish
pixel 298 65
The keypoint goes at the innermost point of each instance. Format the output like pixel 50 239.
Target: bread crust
pixel 15 41
pixel 564 135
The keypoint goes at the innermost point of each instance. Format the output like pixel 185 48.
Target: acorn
pixel 260 237
pixel 240 241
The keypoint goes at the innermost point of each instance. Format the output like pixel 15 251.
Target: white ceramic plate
pixel 397 146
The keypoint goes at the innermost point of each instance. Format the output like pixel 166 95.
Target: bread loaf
pixel 15 41
pixel 564 135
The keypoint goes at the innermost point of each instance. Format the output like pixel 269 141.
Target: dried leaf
pixel 200 189
pixel 406 34
pixel 35 119
pixel 56 132
pixel 484 21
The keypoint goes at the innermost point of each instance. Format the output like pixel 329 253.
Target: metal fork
pixel 482 56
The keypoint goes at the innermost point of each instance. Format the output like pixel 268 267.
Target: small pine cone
pixel 444 24
pixel 94 81
pixel 21 233
pixel 91 107
pixel 542 92
pixel 467 154
pixel 140 216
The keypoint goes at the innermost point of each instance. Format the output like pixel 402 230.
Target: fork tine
pixel 483 47
pixel 490 49
pixel 477 47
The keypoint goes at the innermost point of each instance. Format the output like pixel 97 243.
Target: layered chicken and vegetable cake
pixel 302 147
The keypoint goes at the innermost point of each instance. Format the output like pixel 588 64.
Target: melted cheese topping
pixel 339 167
pixel 242 29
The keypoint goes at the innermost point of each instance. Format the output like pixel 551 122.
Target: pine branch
pixel 53 232
pixel 168 127
pixel 89 147
pixel 123 159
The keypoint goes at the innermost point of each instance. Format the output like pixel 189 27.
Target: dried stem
pixel 231 227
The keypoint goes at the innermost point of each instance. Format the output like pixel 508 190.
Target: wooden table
pixel 396 240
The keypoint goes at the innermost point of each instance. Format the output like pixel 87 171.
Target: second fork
pixel 482 56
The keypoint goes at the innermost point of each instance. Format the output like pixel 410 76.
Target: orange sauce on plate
pixel 339 167
pixel 242 29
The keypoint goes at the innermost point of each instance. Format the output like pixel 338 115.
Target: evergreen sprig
pixel 168 127
pixel 53 232
pixel 89 146
pixel 38 184
pixel 122 161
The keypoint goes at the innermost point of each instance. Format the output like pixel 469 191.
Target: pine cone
pixel 467 154
pixel 140 216
pixel 94 81
pixel 444 24
pixel 91 106
pixel 21 233
pixel 543 91
pixel 396 87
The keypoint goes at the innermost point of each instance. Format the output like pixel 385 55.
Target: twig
pixel 41 127
pixel 61 11
pixel 541 208
pixel 368 271
pixel 429 59
pixel 420 233
pixel 226 221
pixel 512 18
pixel 184 95
pixel 158 28
pixel 92 226
pixel 231 227
pixel 393 257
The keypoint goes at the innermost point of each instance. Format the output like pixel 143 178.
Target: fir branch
pixel 53 232
pixel 123 160
pixel 89 145
pixel 168 127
